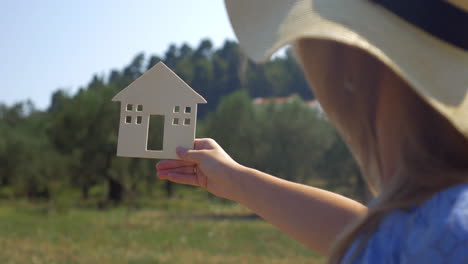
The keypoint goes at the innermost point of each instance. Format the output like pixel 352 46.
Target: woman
pixel 392 76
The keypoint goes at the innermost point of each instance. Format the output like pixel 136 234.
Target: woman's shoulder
pixel 448 207
pixel 435 232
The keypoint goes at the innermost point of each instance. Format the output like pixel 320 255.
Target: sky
pixel 54 44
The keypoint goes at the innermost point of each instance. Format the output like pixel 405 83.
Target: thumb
pixel 189 154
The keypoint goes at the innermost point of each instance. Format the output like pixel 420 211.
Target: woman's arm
pixel 310 215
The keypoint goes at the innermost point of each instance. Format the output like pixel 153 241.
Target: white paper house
pixel 157 92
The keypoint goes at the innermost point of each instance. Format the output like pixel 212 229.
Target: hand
pixel 207 166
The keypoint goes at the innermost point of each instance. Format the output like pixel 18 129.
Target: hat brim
pixel 436 70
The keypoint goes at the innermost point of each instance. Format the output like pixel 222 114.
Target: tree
pixel 340 172
pixel 72 144
pixel 287 140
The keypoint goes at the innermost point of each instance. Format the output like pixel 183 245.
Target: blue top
pixel 435 232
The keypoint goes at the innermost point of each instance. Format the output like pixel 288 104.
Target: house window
pixel 139 108
pixel 188 110
pixel 139 119
pixel 128 119
pixel 129 107
pixel 187 121
pixel 176 109
pixel 175 121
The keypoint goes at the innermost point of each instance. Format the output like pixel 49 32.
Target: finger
pixel 191 155
pixel 182 178
pixel 170 164
pixel 204 143
pixel 186 169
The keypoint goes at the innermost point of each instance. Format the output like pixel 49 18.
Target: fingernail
pixel 181 151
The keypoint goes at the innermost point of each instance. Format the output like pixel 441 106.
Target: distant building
pixel 313 104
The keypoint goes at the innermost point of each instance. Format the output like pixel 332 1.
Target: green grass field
pixel 174 231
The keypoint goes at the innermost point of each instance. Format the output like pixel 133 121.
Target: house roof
pixel 158 81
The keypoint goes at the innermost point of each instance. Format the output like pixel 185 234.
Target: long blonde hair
pixel 433 154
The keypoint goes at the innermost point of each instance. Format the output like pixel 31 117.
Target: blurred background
pixel 64 195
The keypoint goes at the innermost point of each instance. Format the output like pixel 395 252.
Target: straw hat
pixel 423 41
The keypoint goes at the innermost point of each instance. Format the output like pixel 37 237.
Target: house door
pixel 155 133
